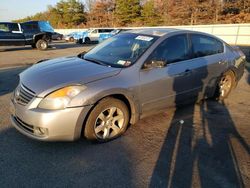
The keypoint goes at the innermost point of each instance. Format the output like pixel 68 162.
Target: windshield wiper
pixel 97 62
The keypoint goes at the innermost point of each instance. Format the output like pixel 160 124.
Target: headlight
pixel 60 99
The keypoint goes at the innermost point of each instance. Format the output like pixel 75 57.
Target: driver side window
pixel 172 50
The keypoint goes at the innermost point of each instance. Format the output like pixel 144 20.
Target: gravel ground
pixel 202 145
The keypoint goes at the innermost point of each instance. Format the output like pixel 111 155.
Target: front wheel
pixel 41 44
pixel 80 41
pixel 108 120
pixel 225 85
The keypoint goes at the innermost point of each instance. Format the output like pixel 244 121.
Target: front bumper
pixel 56 125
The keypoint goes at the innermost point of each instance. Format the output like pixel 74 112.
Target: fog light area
pixel 40 131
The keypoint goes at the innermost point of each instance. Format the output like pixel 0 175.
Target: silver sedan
pixel 127 77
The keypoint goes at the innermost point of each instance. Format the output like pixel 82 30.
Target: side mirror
pixel 154 64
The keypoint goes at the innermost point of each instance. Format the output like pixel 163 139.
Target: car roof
pixel 160 32
pixel 154 31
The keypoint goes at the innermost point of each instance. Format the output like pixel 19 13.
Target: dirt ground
pixel 198 145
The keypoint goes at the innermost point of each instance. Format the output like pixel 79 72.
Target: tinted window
pixel 14 27
pixel 105 30
pixel 4 27
pixel 204 45
pixel 172 50
pixel 29 26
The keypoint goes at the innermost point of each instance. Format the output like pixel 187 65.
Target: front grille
pixel 23 95
pixel 25 126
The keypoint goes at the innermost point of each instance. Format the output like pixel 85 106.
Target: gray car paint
pixel 146 91
pixel 56 73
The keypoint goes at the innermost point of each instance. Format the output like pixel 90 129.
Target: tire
pixel 108 120
pixel 87 40
pixel 225 85
pixel 80 41
pixel 41 44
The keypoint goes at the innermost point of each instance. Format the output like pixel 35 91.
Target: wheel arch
pixel 43 35
pixel 128 100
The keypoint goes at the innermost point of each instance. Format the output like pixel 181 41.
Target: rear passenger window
pixel 30 27
pixel 204 45
pixel 172 50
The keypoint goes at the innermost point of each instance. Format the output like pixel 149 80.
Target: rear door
pixel 208 52
pixel 172 84
pixel 29 30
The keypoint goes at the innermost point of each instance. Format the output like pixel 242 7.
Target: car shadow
pixel 63 164
pixel 9 79
pixel 198 152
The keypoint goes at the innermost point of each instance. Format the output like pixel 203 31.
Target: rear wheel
pixel 108 120
pixel 87 40
pixel 225 85
pixel 41 44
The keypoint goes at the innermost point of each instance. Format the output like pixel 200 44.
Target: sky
pixel 16 9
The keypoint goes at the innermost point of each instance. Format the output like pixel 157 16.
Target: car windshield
pixel 45 26
pixel 121 50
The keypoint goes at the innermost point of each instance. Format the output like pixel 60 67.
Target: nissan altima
pixel 97 94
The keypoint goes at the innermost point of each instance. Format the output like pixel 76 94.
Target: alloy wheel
pixel 225 85
pixel 109 123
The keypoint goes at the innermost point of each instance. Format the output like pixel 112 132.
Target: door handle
pixel 185 73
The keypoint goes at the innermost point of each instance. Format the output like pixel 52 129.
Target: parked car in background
pixel 78 36
pixel 123 79
pixel 92 35
pixel 38 34
pixel 70 37
pixel 104 36
pixel 57 36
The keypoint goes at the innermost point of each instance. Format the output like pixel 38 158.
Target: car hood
pixel 45 77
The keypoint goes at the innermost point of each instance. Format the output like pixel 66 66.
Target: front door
pixel 94 35
pixel 172 84
pixel 10 35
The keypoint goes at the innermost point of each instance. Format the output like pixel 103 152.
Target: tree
pixel 149 14
pixel 71 12
pixel 101 14
pixel 66 14
pixel 127 11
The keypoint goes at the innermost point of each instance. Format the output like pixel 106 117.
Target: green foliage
pixel 110 13
pixel 149 14
pixel 66 13
pixel 127 11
